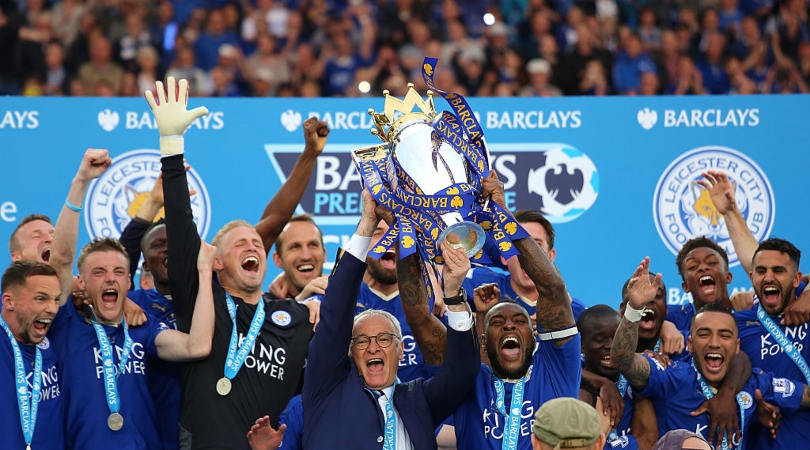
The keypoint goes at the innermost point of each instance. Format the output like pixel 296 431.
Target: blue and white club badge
pixel 281 318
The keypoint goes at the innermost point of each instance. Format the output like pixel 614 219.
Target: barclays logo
pixel 108 120
pixel 647 118
pixel 699 118
pixel 291 120
pixel 567 184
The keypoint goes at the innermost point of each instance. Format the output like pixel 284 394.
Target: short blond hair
pixel 227 228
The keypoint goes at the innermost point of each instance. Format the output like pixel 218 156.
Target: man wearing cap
pixel 539 75
pixel 567 423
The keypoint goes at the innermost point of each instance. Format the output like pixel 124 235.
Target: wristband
pixel 556 335
pixel 72 207
pixel 171 145
pixel 632 315
pixel 457 299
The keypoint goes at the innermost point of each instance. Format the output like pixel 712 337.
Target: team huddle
pixel 201 356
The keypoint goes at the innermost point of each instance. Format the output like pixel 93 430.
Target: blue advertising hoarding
pixel 616 176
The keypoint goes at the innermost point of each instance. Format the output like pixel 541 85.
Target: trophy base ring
pixel 467 235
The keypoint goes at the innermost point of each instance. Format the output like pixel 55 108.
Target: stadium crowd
pixel 312 48
pixel 197 355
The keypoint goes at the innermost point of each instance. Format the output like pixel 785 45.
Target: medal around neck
pixel 428 171
pixel 223 386
pixel 115 421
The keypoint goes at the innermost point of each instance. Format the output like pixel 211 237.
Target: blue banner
pixel 616 176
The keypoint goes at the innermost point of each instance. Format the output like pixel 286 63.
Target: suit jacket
pixel 339 412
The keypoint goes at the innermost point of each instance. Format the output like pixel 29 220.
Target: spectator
pixel 66 16
pixel 730 17
pixel 267 58
pixel 147 62
pixel 715 79
pixel 185 68
pixel 136 38
pixel 572 67
pixel 470 69
pixel 340 68
pixel 668 61
pixel 33 34
pixel 9 25
pixel 207 46
pixel 539 75
pixel 649 32
pixel 55 76
pixel 630 64
pixel 650 84
pixel 594 81
pixel 690 79
pixel 101 70
pixel 738 81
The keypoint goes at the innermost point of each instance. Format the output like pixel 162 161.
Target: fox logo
pixel 136 200
pixel 704 206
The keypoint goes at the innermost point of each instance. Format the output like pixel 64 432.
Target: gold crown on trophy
pixel 388 123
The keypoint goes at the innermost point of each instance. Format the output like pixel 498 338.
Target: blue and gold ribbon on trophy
pixel 428 172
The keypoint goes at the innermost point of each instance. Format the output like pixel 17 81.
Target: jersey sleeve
pixel 663 380
pixel 184 241
pixel 784 393
pixel 564 365
pixel 293 417
pixel 154 326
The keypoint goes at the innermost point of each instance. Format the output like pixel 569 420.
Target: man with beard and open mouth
pixel 222 396
pixel 353 399
pixel 31 300
pixel 637 427
pixel 145 236
pixel 524 373
pixel 771 345
pixel 680 389
pixel 103 362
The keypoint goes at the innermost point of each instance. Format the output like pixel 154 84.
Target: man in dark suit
pixel 354 400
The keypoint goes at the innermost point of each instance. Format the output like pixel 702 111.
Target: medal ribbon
pixel 707 392
pixel 621 385
pixel 27 401
pixel 511 424
pixel 107 358
pixel 237 354
pixel 783 342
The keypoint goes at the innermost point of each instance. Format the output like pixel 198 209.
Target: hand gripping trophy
pixel 428 172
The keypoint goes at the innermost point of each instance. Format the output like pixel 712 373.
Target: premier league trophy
pixel 428 172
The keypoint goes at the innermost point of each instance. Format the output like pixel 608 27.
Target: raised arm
pixel 623 354
pixel 63 250
pixel 282 206
pixel 553 305
pixel 327 360
pixel 172 119
pixel 428 331
pixel 178 346
pixel 135 229
pixel 722 194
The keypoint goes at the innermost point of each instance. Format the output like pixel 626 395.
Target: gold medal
pixel 223 386
pixel 115 421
